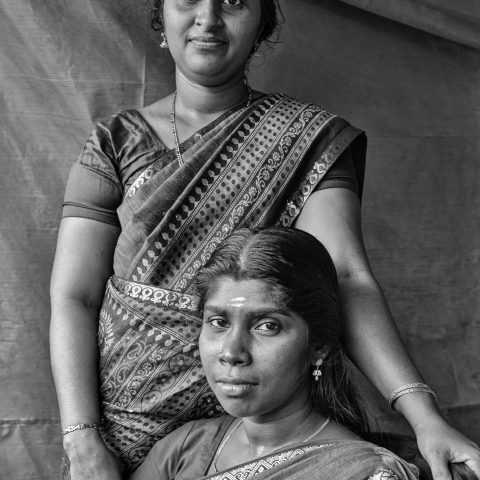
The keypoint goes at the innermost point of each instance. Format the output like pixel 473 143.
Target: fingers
pixel 466 468
pixel 460 471
pixel 439 466
pixel 474 465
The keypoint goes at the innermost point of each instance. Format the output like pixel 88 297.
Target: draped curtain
pixel 457 20
pixel 407 72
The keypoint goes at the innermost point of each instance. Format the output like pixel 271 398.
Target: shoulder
pixel 121 144
pixel 165 457
pixel 119 128
pixel 209 428
pixel 110 134
pixel 385 465
pixel 361 460
pixel 336 121
pixel 293 103
pixel 294 100
pixel 194 434
pixel 187 451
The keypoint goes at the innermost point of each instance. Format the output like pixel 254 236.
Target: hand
pixel 439 443
pixel 89 457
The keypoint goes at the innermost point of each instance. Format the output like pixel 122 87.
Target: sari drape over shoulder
pixel 254 166
pixel 189 454
pixel 338 460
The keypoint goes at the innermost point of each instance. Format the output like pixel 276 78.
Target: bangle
pixel 410 388
pixel 80 426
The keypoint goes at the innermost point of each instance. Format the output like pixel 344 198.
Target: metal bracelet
pixel 410 388
pixel 80 426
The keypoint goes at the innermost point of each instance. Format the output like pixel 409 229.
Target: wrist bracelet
pixel 410 388
pixel 80 426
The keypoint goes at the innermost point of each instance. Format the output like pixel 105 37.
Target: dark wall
pixel 417 97
pixel 66 64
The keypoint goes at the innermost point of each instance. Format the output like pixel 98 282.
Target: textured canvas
pixel 412 82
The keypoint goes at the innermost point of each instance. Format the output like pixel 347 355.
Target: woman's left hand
pixel 440 444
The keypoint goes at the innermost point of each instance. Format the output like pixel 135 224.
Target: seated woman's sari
pixel 254 166
pixel 189 452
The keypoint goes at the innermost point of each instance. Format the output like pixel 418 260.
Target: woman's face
pixel 211 40
pixel 254 351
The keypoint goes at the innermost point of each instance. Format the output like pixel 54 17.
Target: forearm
pixel 374 345
pixel 83 264
pixel 74 357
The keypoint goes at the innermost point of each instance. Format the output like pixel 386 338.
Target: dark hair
pixel 271 14
pixel 302 277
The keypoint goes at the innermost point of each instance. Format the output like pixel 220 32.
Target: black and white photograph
pixel 240 240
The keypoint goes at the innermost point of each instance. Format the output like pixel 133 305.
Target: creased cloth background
pixel 406 72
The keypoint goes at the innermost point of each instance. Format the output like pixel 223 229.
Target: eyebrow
pixel 221 310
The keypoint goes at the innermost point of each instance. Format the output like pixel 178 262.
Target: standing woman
pixel 152 194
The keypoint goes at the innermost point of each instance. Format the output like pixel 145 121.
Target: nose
pixel 209 14
pixel 234 349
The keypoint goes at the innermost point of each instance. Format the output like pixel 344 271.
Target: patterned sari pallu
pixel 253 166
pixel 339 460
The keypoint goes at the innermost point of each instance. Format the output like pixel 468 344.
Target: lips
pixel 207 42
pixel 234 381
pixel 234 387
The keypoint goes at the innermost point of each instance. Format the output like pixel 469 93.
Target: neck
pixel 265 434
pixel 196 100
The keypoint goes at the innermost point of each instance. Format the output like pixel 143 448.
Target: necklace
pixel 227 438
pixel 173 122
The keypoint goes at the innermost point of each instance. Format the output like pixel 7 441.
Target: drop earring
pixel 164 43
pixel 317 373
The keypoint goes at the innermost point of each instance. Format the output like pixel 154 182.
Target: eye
pixel 218 323
pixel 269 327
pixel 233 3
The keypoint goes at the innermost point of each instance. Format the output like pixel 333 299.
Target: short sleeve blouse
pixel 119 149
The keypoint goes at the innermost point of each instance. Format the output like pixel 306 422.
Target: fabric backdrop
pixel 406 72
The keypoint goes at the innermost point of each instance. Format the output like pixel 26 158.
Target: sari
pixel 189 453
pixel 339 460
pixel 253 166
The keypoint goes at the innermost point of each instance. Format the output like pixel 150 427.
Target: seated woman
pixel 271 349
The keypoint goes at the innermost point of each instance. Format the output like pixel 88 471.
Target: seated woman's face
pixel 254 351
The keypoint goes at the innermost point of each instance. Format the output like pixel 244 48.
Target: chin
pixel 212 72
pixel 239 412
pixel 210 75
pixel 238 408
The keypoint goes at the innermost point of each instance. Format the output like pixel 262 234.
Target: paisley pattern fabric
pixel 253 166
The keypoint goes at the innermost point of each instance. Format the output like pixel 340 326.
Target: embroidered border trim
pixel 243 211
pixel 251 469
pixel 384 474
pixel 319 169
pixel 141 179
pixel 157 295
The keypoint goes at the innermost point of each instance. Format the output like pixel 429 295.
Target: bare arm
pixel 83 263
pixel 333 216
pixel 372 340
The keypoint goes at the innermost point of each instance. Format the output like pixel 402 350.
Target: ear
pixel 319 353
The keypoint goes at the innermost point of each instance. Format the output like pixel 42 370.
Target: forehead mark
pixel 236 302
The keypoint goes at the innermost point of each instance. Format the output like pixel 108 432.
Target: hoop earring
pixel 164 43
pixel 317 373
